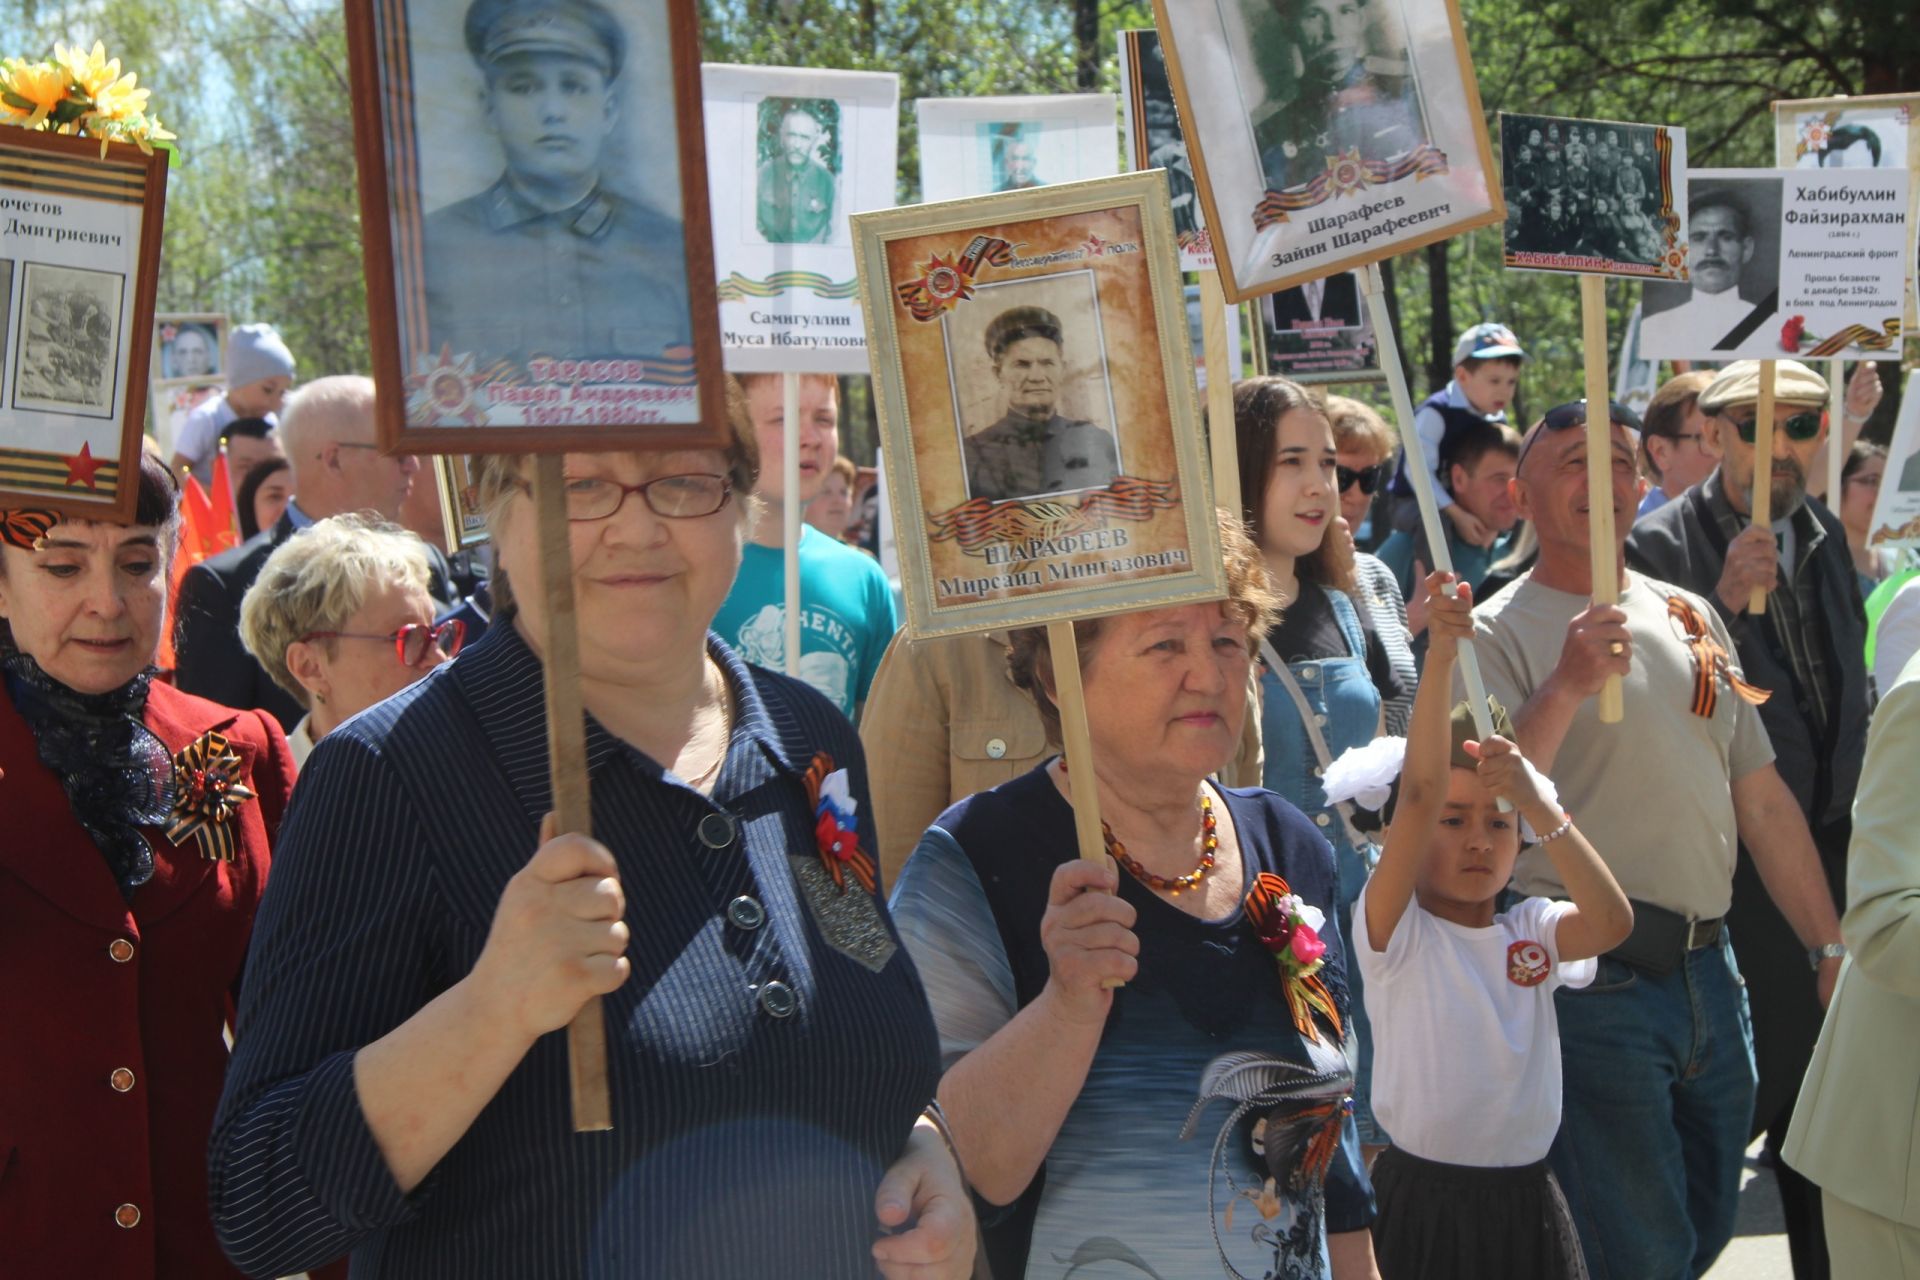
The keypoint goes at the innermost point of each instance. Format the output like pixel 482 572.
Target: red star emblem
pixel 82 465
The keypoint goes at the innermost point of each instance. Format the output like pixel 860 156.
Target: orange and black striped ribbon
pixel 858 862
pixel 1423 161
pixel 207 791
pixel 1305 996
pixel 1710 664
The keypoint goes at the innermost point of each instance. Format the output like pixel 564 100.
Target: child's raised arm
pixel 1423 778
pixel 1601 917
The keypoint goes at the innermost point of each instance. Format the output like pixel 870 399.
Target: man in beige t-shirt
pixel 1657 1054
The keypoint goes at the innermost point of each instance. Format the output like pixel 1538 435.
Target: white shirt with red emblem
pixel 1466 1056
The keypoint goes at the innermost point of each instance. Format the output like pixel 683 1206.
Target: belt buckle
pixel 1702 933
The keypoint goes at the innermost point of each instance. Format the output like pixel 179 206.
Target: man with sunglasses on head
pixel 1658 1082
pixel 1809 650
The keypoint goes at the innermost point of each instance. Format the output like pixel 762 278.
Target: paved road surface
pixel 1759 1248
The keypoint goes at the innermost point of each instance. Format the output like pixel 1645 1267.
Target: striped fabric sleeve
pixel 948 927
pixel 339 958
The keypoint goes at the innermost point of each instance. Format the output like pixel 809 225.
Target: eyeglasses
pixel 683 497
pixel 1573 414
pixel 1368 478
pixel 411 643
pixel 1801 427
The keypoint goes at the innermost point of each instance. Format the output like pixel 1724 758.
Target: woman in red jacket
pixel 134 830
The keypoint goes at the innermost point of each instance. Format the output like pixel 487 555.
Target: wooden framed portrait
pixel 1155 140
pixel 79 270
pixel 982 146
pixel 1896 513
pixel 1326 134
pixel 792 152
pixel 1594 197
pixel 1319 331
pixel 459 501
pixel 1038 418
pixel 533 195
pixel 189 349
pixel 1875 131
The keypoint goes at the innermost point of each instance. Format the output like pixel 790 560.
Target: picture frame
pixel 1896 513
pixel 793 151
pixel 594 324
pixel 466 524
pixel 1154 140
pixel 1039 424
pixel 981 146
pixel 1298 182
pixel 1318 340
pixel 1593 197
pixel 1885 129
pixel 79 276
pixel 189 349
pixel 1782 265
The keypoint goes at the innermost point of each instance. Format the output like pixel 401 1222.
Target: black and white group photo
pixel 1584 189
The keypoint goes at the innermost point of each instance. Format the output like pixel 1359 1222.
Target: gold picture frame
pixel 1038 416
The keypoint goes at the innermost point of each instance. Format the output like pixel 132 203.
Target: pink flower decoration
pixel 1306 944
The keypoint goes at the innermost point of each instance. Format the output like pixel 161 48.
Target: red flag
pixel 225 530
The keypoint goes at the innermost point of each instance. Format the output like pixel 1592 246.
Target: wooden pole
pixel 1762 497
pixel 1423 483
pixel 1837 443
pixel 1077 743
pixel 567 757
pixel 790 515
pixel 1602 536
pixel 1222 439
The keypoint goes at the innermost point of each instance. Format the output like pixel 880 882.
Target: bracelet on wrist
pixel 1565 826
pixel 938 1117
pixel 1817 956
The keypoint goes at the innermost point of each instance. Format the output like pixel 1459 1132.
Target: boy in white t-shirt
pixel 1467 1057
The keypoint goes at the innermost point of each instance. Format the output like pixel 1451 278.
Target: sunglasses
pixel 1574 414
pixel 1368 478
pixel 1801 427
pixel 412 642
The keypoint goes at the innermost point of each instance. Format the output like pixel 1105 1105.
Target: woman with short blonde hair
pixel 341 618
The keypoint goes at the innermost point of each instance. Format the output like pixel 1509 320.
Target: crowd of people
pixel 1359 993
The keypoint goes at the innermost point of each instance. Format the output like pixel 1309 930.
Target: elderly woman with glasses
pixel 400 1088
pixel 341 619
pixel 137 823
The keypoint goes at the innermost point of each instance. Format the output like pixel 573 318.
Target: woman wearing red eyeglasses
pixel 340 618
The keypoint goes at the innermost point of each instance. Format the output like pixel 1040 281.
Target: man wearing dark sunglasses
pixel 1809 649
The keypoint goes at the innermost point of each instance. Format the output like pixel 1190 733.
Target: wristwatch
pixel 1831 951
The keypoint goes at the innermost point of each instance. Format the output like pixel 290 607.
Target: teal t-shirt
pixel 847 616
pixel 1472 564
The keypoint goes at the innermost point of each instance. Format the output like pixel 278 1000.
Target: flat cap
pixel 1016 323
pixel 580 29
pixel 1739 383
pixel 1465 731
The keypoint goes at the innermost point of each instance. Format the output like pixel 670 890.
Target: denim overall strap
pixel 1356 643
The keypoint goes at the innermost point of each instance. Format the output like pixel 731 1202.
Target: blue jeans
pixel 1659 1083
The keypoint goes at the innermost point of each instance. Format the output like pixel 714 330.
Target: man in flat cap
pixel 795 196
pixel 1809 649
pixel 1717 314
pixel 548 260
pixel 1033 450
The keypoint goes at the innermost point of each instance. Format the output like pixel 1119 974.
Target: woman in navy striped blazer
pixel 397 1090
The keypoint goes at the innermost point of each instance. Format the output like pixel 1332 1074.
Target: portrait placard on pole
pixel 1320 332
pixel 189 349
pixel 1037 406
pixel 1896 515
pixel 791 154
pixel 79 270
pixel 1325 136
pixel 981 146
pixel 536 282
pixel 1155 141
pixel 1786 264
pixel 1594 197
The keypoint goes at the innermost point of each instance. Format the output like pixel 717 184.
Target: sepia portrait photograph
pixel 1320 332
pixel 1038 419
pixel 983 146
pixel 554 141
pixel 1326 134
pixel 70 340
pixel 1594 197
pixel 1154 140
pixel 189 348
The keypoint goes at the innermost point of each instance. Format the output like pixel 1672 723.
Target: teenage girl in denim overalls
pixel 1315 705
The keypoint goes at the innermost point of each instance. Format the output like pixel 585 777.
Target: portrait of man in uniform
pixel 551 259
pixel 1015 157
pixel 1033 449
pixel 797 182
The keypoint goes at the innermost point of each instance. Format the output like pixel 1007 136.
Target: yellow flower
pixel 41 85
pixel 120 100
pixel 91 71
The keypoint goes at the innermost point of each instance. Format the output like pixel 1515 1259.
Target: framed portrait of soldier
pixel 1038 417
pixel 1594 197
pixel 981 146
pixel 189 349
pixel 534 201
pixel 1785 263
pixel 1326 134
pixel 1876 131
pixel 791 153
pixel 1154 140
pixel 1319 332
pixel 79 270
pixel 466 524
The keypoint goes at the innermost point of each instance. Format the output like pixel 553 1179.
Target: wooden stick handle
pixel 1077 743
pixel 567 758
pixel 1602 536
pixel 1762 497
pixel 790 516
pixel 1837 443
pixel 1222 439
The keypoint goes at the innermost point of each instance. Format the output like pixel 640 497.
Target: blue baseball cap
pixel 1488 341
